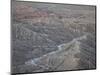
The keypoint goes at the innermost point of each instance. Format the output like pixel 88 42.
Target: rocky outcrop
pixel 52 37
pixel 69 56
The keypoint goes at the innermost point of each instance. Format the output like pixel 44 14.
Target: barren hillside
pixel 52 37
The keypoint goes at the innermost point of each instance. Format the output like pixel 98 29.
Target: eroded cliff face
pixel 52 37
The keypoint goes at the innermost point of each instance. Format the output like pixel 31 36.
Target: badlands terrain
pixel 52 37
